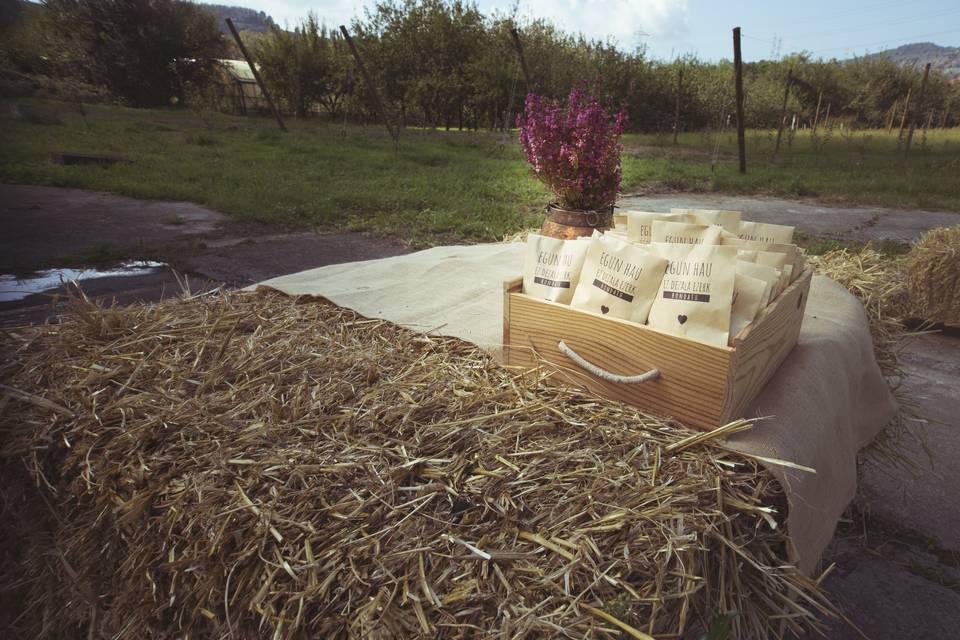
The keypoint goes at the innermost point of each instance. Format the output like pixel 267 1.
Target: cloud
pixel 628 23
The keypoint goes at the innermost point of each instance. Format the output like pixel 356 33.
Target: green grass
pixel 437 188
pixel 862 167
pixel 440 186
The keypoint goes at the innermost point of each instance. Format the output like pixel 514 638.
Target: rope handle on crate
pixel 653 374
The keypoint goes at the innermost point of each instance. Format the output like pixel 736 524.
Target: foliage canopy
pixel 444 63
pixel 145 51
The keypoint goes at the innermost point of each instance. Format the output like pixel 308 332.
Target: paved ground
pixel 848 223
pixel 897 572
pixel 928 496
pixel 50 227
pixel 897 569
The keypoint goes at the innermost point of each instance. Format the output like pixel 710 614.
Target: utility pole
pixel 378 105
pixel 676 109
pixel 919 109
pixel 783 111
pixel 256 74
pixel 738 81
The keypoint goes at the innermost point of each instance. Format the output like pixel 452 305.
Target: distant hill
pixel 245 19
pixel 946 59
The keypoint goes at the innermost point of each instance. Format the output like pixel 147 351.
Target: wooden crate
pixel 701 385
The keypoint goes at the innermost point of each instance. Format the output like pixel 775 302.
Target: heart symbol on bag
pixel 604 309
pixel 681 318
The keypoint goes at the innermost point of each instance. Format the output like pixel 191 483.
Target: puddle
pixel 19 287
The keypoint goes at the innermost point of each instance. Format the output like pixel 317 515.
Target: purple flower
pixel 574 148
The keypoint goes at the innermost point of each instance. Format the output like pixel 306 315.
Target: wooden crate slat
pixel 767 343
pixel 700 384
pixel 692 385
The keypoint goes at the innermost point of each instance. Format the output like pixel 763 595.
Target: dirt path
pixel 897 567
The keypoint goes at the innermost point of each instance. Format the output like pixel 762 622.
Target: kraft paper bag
pixel 764 232
pixel 551 267
pixel 639 224
pixel 771 259
pixel 749 295
pixel 768 274
pixel 729 220
pixel 695 298
pixel 799 263
pixel 791 267
pixel 684 232
pixel 790 250
pixel 619 279
pixel 791 261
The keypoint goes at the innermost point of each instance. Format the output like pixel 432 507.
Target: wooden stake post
pixel 919 109
pixel 256 74
pixel 903 119
pixel 783 112
pixel 816 115
pixel 676 109
pixel 378 105
pixel 892 114
pixel 738 80
pixel 518 45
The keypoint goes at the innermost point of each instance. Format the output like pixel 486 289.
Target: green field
pixel 440 186
pixel 842 166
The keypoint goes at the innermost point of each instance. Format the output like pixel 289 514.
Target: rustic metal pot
pixel 575 223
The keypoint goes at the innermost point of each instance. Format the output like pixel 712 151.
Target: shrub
pixel 574 150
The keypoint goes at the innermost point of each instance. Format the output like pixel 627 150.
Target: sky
pixel 669 28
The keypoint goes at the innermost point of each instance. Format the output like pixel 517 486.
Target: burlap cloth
pixel 826 402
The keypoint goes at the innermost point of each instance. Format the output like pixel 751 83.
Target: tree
pixel 146 52
pixel 425 52
pixel 299 66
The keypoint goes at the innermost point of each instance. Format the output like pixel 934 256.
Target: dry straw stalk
pixel 238 466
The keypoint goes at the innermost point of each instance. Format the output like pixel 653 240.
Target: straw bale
pixel 878 281
pixel 239 466
pixel 932 271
